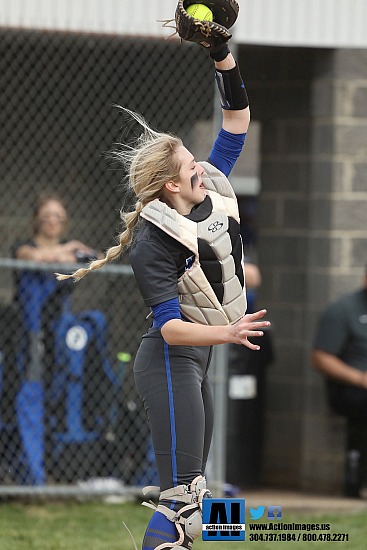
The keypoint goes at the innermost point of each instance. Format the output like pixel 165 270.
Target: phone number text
pixel 308 537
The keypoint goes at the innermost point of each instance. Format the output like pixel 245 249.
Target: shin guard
pixel 185 512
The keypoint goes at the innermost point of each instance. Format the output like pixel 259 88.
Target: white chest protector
pixel 198 301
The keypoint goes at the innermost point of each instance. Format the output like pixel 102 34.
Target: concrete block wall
pixel 338 208
pixel 312 239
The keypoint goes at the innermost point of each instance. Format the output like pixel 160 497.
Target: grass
pixel 99 526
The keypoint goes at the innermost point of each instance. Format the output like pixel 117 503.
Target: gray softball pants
pixel 173 384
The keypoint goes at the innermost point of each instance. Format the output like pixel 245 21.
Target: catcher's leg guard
pixel 186 512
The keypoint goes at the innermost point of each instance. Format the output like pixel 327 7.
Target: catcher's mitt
pixel 212 35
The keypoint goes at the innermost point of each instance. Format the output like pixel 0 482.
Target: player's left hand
pixel 212 35
pixel 249 326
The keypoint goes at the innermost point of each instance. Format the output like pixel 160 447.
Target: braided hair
pixel 150 162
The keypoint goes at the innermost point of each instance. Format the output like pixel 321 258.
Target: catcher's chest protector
pixel 212 289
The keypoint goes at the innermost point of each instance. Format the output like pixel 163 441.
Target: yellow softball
pixel 200 11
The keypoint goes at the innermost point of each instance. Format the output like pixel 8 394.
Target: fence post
pixel 217 457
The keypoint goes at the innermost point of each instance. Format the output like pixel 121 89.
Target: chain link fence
pixel 69 412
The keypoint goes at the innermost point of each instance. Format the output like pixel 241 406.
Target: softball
pixel 200 11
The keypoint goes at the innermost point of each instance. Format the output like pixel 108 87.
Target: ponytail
pixel 149 165
pixel 130 220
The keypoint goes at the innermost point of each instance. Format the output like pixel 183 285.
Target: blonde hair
pixel 150 163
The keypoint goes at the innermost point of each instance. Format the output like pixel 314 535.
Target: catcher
pixel 187 256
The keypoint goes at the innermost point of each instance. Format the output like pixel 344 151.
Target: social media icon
pixel 274 512
pixel 257 513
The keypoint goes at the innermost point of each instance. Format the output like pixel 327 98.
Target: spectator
pixel 253 282
pixel 39 301
pixel 47 243
pixel 340 353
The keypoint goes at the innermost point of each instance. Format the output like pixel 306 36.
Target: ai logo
pixel 223 519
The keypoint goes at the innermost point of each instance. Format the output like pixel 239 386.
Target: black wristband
pixel 232 89
pixel 220 54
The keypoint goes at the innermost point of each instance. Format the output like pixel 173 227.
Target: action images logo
pixel 224 519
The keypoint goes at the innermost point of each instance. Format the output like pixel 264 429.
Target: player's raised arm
pixel 235 106
pixel 207 25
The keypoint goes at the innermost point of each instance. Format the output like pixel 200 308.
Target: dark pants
pixel 173 384
pixel 351 402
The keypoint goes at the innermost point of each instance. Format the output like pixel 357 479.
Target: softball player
pixel 187 257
